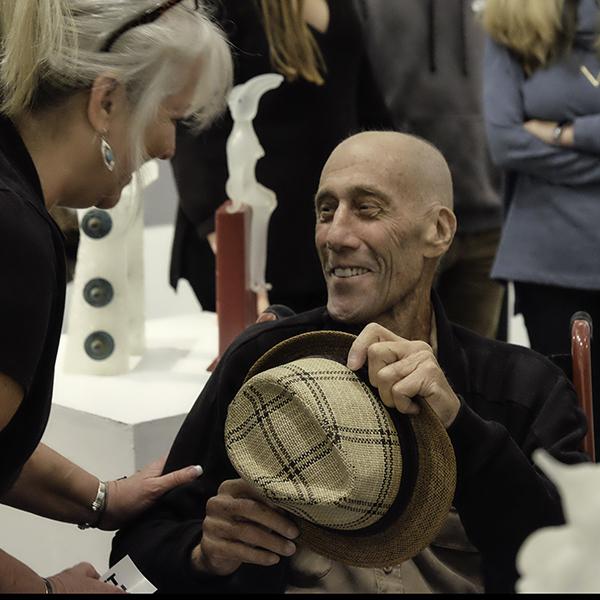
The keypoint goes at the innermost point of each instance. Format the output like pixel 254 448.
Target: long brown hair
pixel 538 31
pixel 294 50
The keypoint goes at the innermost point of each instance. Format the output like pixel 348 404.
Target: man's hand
pixel 401 370
pixel 81 579
pixel 128 498
pixel 240 527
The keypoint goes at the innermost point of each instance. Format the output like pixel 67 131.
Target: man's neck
pixel 411 319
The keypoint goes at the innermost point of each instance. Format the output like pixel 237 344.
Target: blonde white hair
pixel 51 49
pixel 537 31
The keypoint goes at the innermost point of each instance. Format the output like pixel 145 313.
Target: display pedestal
pixel 236 304
pixel 113 426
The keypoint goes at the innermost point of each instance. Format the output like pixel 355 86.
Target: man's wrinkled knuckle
pixel 424 356
pixel 421 346
pixel 432 372
pixel 214 505
pixel 390 375
pixel 373 351
pixel 208 529
pixel 210 548
pixel 224 487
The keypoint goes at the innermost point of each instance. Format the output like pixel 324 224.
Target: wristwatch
pixel 558 131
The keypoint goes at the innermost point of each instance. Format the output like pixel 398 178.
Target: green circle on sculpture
pixel 96 224
pixel 99 345
pixel 98 292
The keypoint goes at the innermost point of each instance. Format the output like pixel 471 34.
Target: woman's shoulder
pixel 25 234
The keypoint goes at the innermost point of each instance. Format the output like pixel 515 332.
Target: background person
pixel 328 93
pixel 429 59
pixel 384 220
pixel 89 90
pixel 542 110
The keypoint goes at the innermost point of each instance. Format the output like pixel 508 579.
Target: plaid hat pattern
pixel 366 486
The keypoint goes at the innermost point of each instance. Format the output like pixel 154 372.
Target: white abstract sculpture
pixel 565 559
pixel 243 152
pixel 106 314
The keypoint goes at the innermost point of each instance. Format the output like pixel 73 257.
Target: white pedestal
pixel 113 426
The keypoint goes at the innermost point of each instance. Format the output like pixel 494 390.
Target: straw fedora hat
pixel 367 486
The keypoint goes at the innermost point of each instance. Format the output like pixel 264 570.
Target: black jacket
pixel 513 401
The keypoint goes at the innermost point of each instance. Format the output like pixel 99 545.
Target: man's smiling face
pixel 369 232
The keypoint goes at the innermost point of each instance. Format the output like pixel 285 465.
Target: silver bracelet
pixel 98 505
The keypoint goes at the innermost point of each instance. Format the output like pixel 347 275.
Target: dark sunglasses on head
pixel 148 16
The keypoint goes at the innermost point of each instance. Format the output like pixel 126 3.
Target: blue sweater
pixel 552 230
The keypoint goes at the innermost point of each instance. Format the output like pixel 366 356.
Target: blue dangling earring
pixel 108 156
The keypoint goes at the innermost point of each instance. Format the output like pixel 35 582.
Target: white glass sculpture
pixel 243 152
pixel 106 314
pixel 565 559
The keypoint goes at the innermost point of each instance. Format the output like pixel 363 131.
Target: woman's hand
pixel 544 130
pixel 127 498
pixel 81 579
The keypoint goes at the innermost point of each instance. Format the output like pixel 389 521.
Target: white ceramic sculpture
pixel 565 559
pixel 106 314
pixel 243 152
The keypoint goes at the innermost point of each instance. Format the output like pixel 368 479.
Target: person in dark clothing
pixel 298 125
pixel 384 220
pixel 88 92
pixel 429 57
pixel 542 110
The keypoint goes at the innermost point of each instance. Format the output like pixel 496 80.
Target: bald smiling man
pixel 384 219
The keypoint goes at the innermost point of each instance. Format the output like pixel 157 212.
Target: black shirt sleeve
pixel 26 278
pixel 501 497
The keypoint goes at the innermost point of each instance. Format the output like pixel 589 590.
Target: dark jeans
pixel 547 312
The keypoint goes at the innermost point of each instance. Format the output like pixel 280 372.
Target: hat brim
pixel 415 527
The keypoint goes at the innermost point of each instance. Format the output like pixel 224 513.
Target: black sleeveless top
pixel 32 297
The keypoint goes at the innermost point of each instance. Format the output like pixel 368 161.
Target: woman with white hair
pixel 89 90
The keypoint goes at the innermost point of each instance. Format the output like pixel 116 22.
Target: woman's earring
pixel 108 156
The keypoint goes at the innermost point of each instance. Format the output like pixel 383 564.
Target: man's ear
pixel 103 100
pixel 440 232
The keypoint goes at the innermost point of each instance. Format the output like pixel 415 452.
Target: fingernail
pixel 198 469
pixel 290 549
pixel 352 361
pixel 292 533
